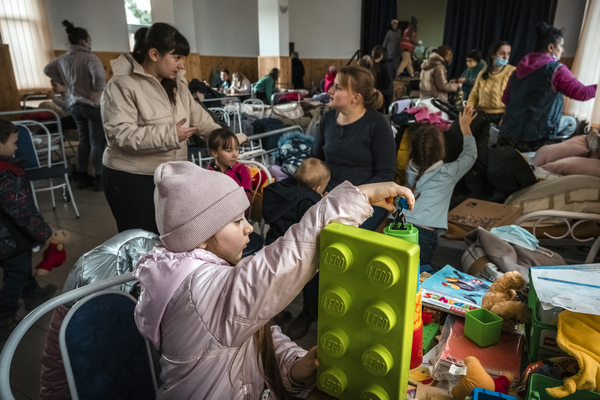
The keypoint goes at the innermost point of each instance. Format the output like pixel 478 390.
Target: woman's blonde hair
pixel 238 76
pixel 359 80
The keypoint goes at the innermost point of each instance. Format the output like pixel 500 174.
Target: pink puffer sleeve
pixel 259 287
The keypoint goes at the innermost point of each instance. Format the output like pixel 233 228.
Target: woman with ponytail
pixel 534 95
pixel 81 71
pixel 432 181
pixel 486 94
pixel 149 114
pixel 354 140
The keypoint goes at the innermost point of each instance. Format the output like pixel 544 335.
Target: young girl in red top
pixel 225 148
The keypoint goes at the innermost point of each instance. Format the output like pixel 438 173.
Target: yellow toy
pixel 501 299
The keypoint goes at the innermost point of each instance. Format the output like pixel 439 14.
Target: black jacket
pixel 385 79
pixel 21 224
pixel 297 74
pixel 284 204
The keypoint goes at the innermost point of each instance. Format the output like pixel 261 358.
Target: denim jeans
pixel 17 281
pixel 91 136
pixel 428 240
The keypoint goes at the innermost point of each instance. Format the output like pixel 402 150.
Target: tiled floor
pixel 94 227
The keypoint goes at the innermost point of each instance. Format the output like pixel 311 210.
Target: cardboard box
pixel 472 213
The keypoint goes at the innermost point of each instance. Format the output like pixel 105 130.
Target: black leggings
pixel 131 199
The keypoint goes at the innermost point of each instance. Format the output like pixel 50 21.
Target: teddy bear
pixel 55 254
pixel 477 377
pixel 502 300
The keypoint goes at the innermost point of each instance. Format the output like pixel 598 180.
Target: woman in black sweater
pixel 354 140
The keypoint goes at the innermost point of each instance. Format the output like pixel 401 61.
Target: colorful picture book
pixel 454 291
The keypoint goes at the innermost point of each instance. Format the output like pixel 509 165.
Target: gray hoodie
pixel 435 187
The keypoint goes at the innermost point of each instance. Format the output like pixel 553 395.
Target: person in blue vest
pixel 534 95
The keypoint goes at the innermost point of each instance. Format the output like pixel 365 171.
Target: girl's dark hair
pixel 490 57
pixel 222 139
pixel 474 54
pixel 427 148
pixel 74 34
pixel 360 80
pixel 274 73
pixel 377 52
pixel 165 39
pixel 7 128
pixel 546 35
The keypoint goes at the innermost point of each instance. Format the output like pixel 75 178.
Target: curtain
pixel 477 24
pixel 24 28
pixel 376 18
pixel 586 66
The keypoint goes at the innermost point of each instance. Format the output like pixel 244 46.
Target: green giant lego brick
pixel 366 312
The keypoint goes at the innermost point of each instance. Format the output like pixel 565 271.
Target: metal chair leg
pixel 71 195
pixel 34 196
pixel 52 194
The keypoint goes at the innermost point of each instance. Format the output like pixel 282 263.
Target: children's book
pixel 453 291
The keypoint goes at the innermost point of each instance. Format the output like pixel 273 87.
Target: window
pixel 138 15
pixel 24 28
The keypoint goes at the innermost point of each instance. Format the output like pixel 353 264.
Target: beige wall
pixel 430 14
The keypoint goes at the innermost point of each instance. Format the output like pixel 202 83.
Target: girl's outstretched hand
pixel 466 117
pixel 305 369
pixel 379 193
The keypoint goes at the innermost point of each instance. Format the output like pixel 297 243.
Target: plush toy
pixel 477 377
pixel 502 300
pixel 54 255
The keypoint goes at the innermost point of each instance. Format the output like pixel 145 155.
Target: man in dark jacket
pixel 297 72
pixel 284 204
pixel 22 227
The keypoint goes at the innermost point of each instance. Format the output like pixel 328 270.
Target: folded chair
pixel 36 171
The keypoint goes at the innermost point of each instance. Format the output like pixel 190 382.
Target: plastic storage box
pixel 483 327
pixel 482 394
pixel 536 389
pixel 366 313
pixel 541 337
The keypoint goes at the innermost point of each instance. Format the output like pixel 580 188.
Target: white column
pixel 273 28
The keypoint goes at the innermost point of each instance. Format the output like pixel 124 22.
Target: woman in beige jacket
pixel 148 114
pixel 433 75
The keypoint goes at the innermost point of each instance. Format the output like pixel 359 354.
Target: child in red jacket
pixel 225 148
pixel 22 227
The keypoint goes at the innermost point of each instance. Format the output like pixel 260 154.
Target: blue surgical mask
pixel 516 235
pixel 555 58
pixel 500 62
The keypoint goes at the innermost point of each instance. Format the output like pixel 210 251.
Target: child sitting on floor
pixel 208 310
pixel 22 228
pixel 225 148
pixel 433 181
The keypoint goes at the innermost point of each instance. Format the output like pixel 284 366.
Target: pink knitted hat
pixel 192 204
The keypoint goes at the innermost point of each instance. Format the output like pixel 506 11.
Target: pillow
pixel 574 147
pixel 575 166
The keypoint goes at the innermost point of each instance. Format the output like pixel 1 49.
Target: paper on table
pixel 572 287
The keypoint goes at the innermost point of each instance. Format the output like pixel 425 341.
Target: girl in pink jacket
pixel 208 311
